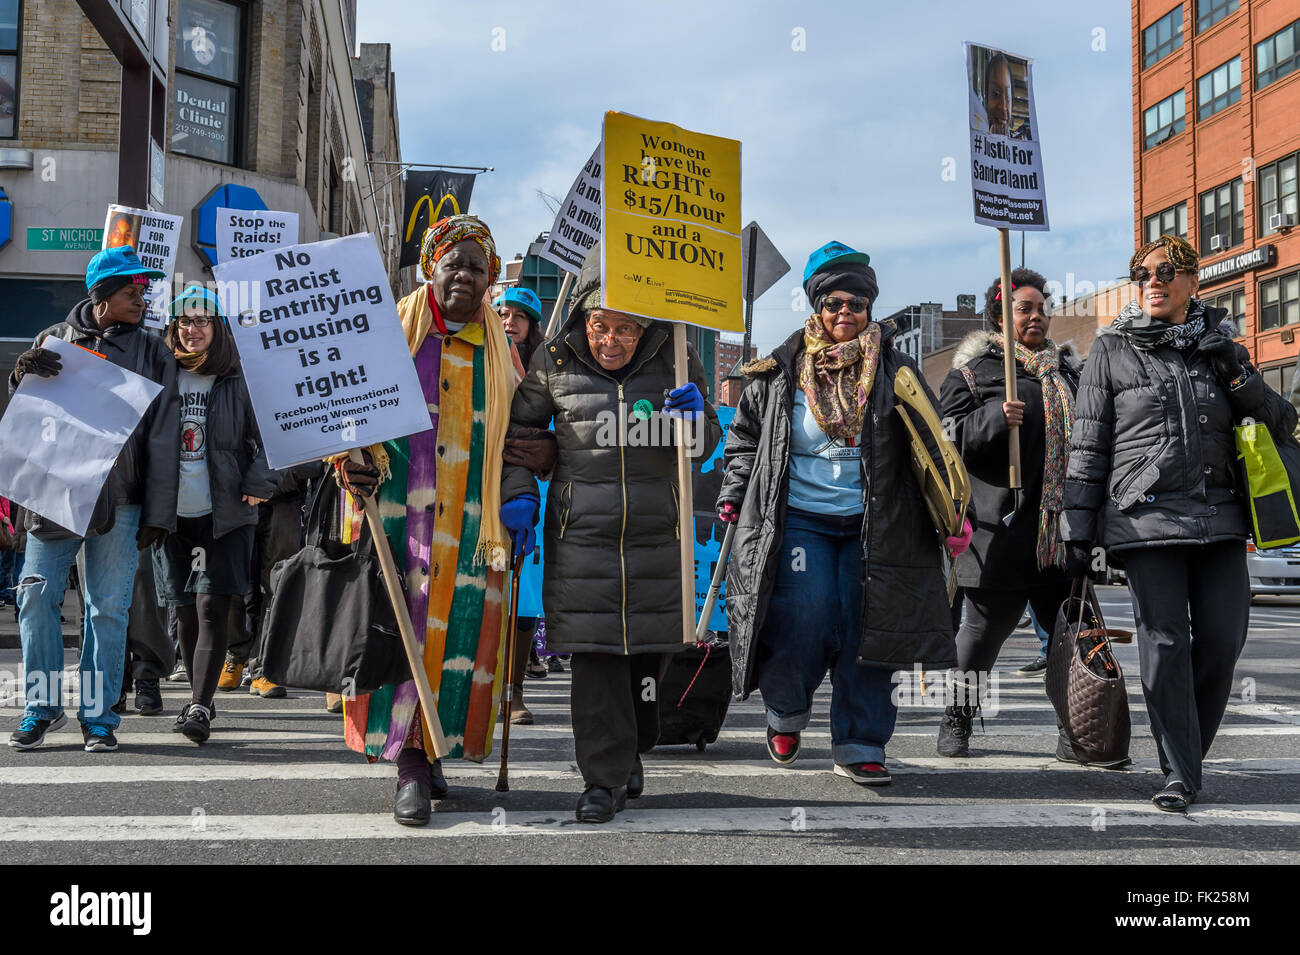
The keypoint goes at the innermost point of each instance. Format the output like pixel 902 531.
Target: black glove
pixel 38 361
pixel 1078 559
pixel 1221 351
pixel 146 537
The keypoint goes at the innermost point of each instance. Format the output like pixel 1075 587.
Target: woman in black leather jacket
pixel 1152 477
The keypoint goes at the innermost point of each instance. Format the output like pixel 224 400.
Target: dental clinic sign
pixel 1256 258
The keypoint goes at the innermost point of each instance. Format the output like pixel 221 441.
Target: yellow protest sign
pixel 670 236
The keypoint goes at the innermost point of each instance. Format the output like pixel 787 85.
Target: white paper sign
pixel 577 225
pixel 155 236
pixel 241 232
pixel 322 348
pixel 1007 182
pixel 60 436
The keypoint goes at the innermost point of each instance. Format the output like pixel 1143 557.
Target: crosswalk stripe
pixel 566 770
pixel 795 820
pixel 222 737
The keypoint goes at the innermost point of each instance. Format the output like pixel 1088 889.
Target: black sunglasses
pixel 1165 272
pixel 857 304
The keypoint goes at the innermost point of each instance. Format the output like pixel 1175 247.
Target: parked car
pixel 1273 571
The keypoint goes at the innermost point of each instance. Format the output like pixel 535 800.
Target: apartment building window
pixel 10 32
pixel 1218 89
pixel 1223 217
pixel 1277 193
pixel 1162 37
pixel 1279 301
pixel 1210 12
pixel 1171 221
pixel 1279 377
pixel 208 80
pixel 1277 56
pixel 1234 301
pixel 1164 120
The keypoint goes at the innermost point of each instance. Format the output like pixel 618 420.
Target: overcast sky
pixel 846 139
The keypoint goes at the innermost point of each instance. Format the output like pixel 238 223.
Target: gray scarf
pixel 1146 332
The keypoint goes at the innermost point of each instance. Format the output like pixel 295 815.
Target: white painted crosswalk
pixel 261 778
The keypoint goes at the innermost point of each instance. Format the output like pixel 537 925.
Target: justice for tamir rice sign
pixel 322 347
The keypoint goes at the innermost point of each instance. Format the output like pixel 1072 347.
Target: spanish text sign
pixel 1006 158
pixel 670 233
pixel 322 347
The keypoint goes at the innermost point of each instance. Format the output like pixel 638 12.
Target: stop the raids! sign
pixel 323 351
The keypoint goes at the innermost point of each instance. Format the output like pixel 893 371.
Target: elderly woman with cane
pixel 1152 477
pixel 612 587
pixel 836 562
pixel 439 495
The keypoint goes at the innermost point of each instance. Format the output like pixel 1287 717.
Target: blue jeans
pixel 9 561
pixel 1044 638
pixel 110 576
pixel 814 623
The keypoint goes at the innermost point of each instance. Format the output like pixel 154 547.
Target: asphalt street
pixel 275 784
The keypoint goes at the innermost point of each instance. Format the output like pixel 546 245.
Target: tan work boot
pixel 520 715
pixel 334 702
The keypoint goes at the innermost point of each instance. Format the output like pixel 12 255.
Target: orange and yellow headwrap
pixel 445 233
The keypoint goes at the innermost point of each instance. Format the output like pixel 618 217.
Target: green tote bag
pixel 1272 475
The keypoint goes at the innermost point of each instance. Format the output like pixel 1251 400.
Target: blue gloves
pixel 686 401
pixel 519 515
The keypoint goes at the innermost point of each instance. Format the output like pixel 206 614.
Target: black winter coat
pixel 1001 556
pixel 612 573
pixel 1153 455
pixel 147 469
pixel 235 457
pixel 905 613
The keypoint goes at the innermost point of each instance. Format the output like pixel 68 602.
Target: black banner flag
pixel 431 196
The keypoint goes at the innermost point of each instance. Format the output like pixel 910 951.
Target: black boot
pixel 598 804
pixel 954 731
pixel 414 804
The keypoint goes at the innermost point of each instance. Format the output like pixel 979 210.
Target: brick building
pixel 264 95
pixel 1216 144
pixel 727 355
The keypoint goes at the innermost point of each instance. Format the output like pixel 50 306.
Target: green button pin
pixel 643 409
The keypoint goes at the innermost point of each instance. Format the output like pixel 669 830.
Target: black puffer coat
pixel 613 579
pixel 1001 556
pixel 147 469
pixel 905 614
pixel 1152 454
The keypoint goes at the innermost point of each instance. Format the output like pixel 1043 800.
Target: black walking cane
pixel 503 777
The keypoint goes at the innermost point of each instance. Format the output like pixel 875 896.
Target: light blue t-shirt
pixel 825 474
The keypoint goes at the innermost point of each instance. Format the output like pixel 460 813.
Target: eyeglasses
pixel 599 333
pixel 198 321
pixel 1165 272
pixel 857 305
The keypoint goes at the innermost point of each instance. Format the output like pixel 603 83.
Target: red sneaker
pixel 782 747
pixel 865 774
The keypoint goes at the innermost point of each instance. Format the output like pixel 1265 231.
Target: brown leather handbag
pixel 1086 685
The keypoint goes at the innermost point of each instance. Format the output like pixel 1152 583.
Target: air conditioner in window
pixel 1281 221
pixel 1218 243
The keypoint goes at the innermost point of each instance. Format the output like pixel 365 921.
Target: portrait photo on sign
pixel 999 94
pixel 122 229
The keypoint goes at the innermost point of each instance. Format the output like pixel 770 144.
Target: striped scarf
pixel 432 506
pixel 836 377
pixel 1058 409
